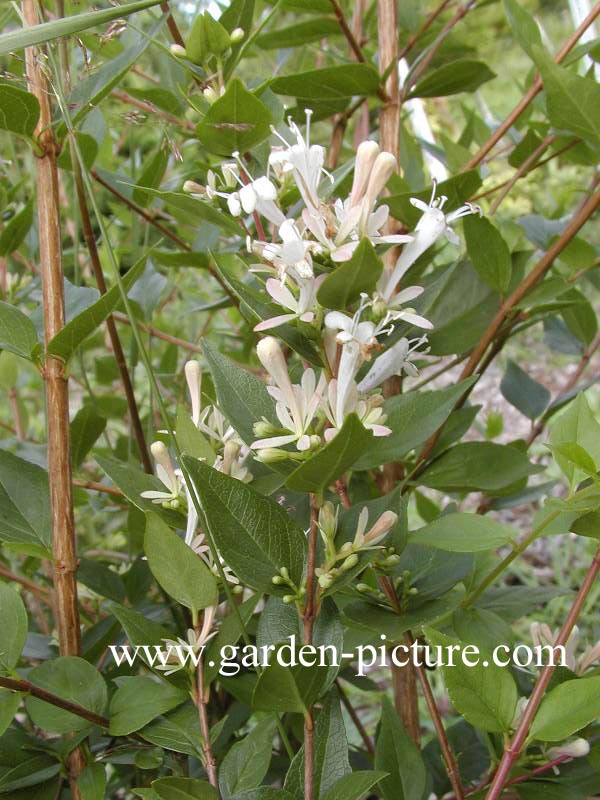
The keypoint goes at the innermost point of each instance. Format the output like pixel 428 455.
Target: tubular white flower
pixel 378 531
pixel 432 224
pixel 193 376
pixel 393 361
pixel 366 154
pixel 302 307
pixel 306 162
pixel 167 475
pixel 291 256
pixel 578 748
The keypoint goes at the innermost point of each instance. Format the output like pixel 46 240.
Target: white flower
pixel 384 524
pixel 257 195
pixel 193 643
pixel 432 224
pixel 394 361
pixel 304 160
pixel 166 473
pixel 578 748
pixel 232 461
pixel 291 256
pixel 543 636
pixel 351 329
pixel 340 405
pixel 301 307
pixel 295 405
pixel 200 546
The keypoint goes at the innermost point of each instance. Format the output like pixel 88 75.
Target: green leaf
pixel 178 730
pixel 330 752
pixel 413 418
pixel 230 631
pixel 521 391
pixel 179 570
pixel 13 623
pixel 48 31
pixel 488 252
pixel 207 38
pixel 16 229
pixel 576 455
pixel 22 765
pixel 567 709
pixel 69 338
pixel 464 75
pixel 9 705
pixel 254 534
pixel 463 533
pixel 378 620
pixel 151 176
pixel 278 688
pixel 73 679
pixel 576 424
pixel 336 458
pixel 19 110
pixel 17 332
pixel 24 503
pixel 247 762
pixel 523 25
pixel 573 102
pixel 312 30
pixel 241 396
pixel 86 427
pixel 349 80
pixel 183 789
pixel 138 700
pixel 101 579
pixel 344 286
pixel 190 440
pixel 485 694
pixel 237 121
pixel 354 786
pixel 482 466
pixel 398 755
pixel 92 782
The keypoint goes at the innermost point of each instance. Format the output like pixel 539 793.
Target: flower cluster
pixel 309 234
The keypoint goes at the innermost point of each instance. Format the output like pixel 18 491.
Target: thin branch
pixel 117 348
pixel 309 616
pixel 367 741
pixel 201 700
pixel 158 334
pixel 346 30
pixel 523 169
pixel 97 487
pixel 35 691
pixel 428 22
pixel 513 749
pixel 150 108
pixel 38 591
pixel 535 88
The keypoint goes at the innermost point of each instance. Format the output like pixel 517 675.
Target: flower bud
pixel 350 562
pixel 191 187
pixel 210 95
pixel 271 455
pixel 237 589
pixel 288 598
pixel 277 580
pixel 328 521
pixel 284 572
pixel 178 51
pixel 236 35
pixel 365 158
pixel 325 580
pixel 262 429
pixel 364 588
pixel 381 528
pixel 578 748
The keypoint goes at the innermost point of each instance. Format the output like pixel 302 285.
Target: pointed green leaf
pixel 343 287
pixel 237 121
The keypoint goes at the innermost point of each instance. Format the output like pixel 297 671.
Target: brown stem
pixel 150 108
pixel 97 487
pixel 29 688
pixel 57 398
pixel 569 384
pixel 310 613
pixel 513 749
pixel 346 30
pixel 201 698
pixel 531 94
pixel 521 171
pixel 447 754
pixel 367 741
pixel 158 334
pixel 13 399
pixel 423 65
pixel 389 115
pixel 413 39
pixel 117 348
pixel 172 25
pixel 39 592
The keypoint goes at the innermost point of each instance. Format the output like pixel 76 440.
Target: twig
pixel 26 687
pixel 531 94
pixel 201 698
pixel 524 168
pixel 310 613
pixel 158 334
pixel 354 45
pixel 367 741
pixel 150 108
pixel 569 384
pixel 412 40
pixel 39 591
pixel 117 348
pixel 97 487
pixel 423 65
pixel 513 749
